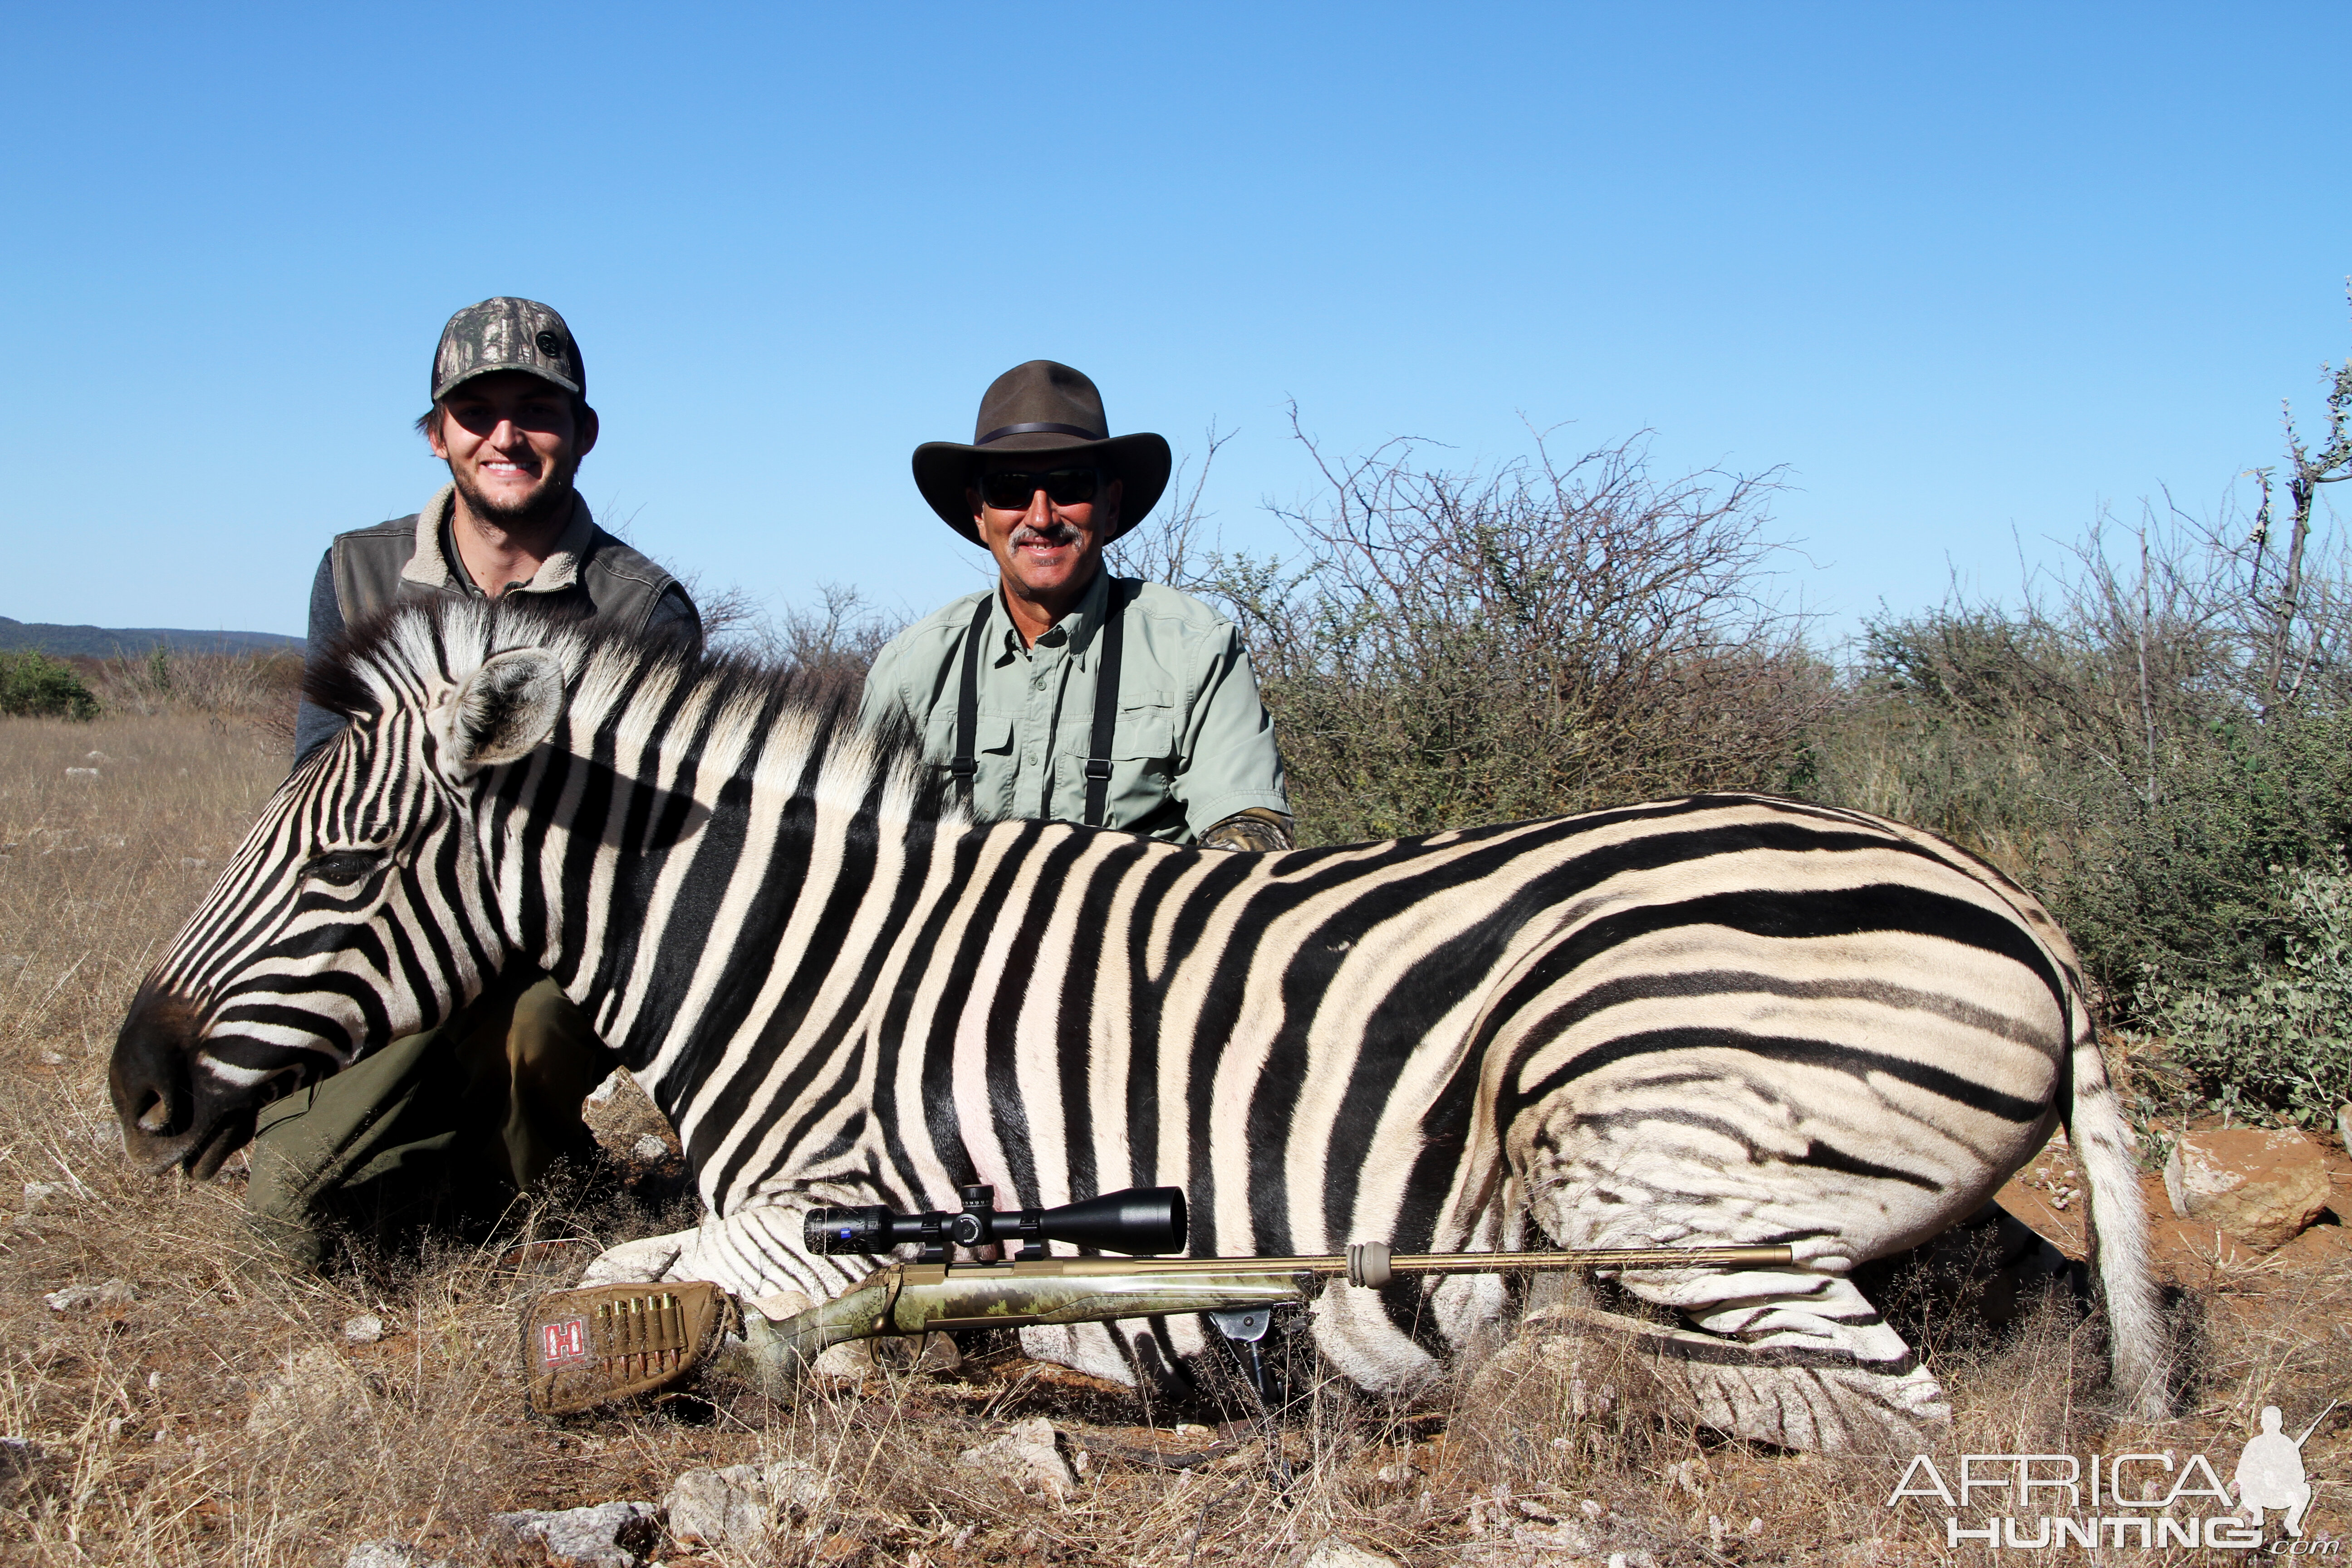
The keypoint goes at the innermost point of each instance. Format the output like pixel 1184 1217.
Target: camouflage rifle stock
pixel 584 1348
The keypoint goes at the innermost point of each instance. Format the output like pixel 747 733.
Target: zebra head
pixel 358 909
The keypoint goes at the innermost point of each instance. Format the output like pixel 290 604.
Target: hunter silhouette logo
pixel 2129 1499
pixel 2270 1472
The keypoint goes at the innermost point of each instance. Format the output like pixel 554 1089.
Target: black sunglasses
pixel 1063 486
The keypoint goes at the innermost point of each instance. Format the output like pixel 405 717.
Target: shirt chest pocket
pixel 1143 734
pixel 991 736
pixel 1143 763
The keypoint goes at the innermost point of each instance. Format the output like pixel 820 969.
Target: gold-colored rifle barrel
pixel 1582 1258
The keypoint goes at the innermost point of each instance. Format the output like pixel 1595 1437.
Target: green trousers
pixel 443 1129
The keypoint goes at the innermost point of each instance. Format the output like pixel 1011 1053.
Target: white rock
pixel 80 1297
pixel 1398 1475
pixel 851 1360
pixel 737 1507
pixel 363 1329
pixel 51 1195
pixel 313 1389
pixel 730 1509
pixel 2344 1127
pixel 388 1553
pixel 650 1149
pixel 609 1535
pixel 52 1060
pixel 1029 1456
pixel 797 1484
pixel 81 772
pixel 1333 1553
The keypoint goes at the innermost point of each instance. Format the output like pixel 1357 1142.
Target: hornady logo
pixel 2128 1499
pixel 566 1341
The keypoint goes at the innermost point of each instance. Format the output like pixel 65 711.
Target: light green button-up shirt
pixel 1194 743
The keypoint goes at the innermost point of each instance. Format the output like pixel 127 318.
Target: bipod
pixel 1246 1329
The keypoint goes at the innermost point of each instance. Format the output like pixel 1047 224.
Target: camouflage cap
pixel 508 334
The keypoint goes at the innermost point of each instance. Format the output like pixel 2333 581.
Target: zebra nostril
pixel 156 1119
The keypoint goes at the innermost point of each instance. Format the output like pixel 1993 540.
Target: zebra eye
pixel 344 867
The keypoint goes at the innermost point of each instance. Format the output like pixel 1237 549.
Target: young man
pixel 453 1124
pixel 511 417
pixel 1063 693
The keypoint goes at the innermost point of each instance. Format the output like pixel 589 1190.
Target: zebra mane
pixel 394 655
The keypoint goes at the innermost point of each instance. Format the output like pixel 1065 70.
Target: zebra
pixel 1724 1019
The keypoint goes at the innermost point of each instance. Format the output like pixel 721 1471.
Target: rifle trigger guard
pixel 886 1321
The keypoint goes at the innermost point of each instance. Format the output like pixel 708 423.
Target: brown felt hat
pixel 1044 407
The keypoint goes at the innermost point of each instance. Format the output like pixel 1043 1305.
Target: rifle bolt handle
pixel 1367 1263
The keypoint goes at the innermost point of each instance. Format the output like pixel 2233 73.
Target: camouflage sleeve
pixel 1252 829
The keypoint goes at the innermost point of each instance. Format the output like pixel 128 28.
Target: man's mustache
pixel 1056 533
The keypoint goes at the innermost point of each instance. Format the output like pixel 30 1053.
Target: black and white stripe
pixel 1728 1018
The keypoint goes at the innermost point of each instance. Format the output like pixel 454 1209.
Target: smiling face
pixel 1046 553
pixel 512 442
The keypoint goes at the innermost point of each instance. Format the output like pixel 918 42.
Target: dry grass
pixel 146 1447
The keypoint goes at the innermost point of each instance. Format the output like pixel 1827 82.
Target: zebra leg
pixel 754 1253
pixel 1797 1359
pixel 1793 1355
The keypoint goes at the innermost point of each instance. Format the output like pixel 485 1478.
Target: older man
pixel 454 1123
pixel 1065 693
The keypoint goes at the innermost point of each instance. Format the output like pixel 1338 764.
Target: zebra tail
pixel 2103 1141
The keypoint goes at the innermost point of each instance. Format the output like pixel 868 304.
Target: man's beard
pixel 549 501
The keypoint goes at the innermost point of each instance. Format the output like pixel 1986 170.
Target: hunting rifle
pixel 586 1347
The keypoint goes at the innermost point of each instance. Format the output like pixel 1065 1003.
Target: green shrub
pixel 2125 744
pixel 1459 647
pixel 2281 1040
pixel 33 685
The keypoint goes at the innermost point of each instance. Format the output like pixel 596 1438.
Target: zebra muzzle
pixel 590 1347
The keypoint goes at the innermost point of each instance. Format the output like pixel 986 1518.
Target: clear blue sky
pixel 1966 270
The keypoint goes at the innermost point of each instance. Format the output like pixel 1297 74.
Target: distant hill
pixel 105 642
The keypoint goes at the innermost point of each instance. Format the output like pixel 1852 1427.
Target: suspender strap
pixel 1114 630
pixel 967 729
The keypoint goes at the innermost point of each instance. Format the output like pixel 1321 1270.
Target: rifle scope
pixel 1138 1222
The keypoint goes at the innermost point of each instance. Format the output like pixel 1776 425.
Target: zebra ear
pixel 502 711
